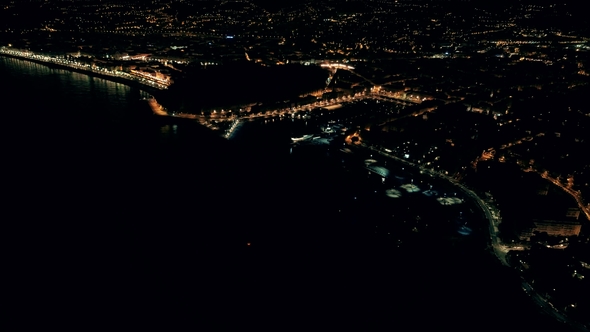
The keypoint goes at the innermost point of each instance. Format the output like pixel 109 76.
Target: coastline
pixel 132 83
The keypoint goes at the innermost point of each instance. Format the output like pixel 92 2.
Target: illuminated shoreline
pixel 111 75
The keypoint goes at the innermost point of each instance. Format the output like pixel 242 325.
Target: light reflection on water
pixel 44 89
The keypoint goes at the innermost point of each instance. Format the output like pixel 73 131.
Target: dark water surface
pixel 135 221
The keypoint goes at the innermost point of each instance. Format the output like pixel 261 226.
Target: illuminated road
pixel 316 106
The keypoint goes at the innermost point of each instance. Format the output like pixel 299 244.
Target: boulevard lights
pixel 159 83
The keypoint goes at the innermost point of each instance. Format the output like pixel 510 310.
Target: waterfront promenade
pixel 132 78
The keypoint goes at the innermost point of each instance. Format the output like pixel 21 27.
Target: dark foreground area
pixel 126 230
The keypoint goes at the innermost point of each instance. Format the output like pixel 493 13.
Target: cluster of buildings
pixel 358 31
pixel 565 225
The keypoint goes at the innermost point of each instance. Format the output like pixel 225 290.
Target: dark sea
pixel 132 222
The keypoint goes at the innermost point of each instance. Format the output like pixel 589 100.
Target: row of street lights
pixel 76 65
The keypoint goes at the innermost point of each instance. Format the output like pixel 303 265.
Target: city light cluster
pixel 135 76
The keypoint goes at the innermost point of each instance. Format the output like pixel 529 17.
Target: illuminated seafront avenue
pixel 61 61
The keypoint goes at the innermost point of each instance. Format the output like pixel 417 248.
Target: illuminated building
pixel 552 228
